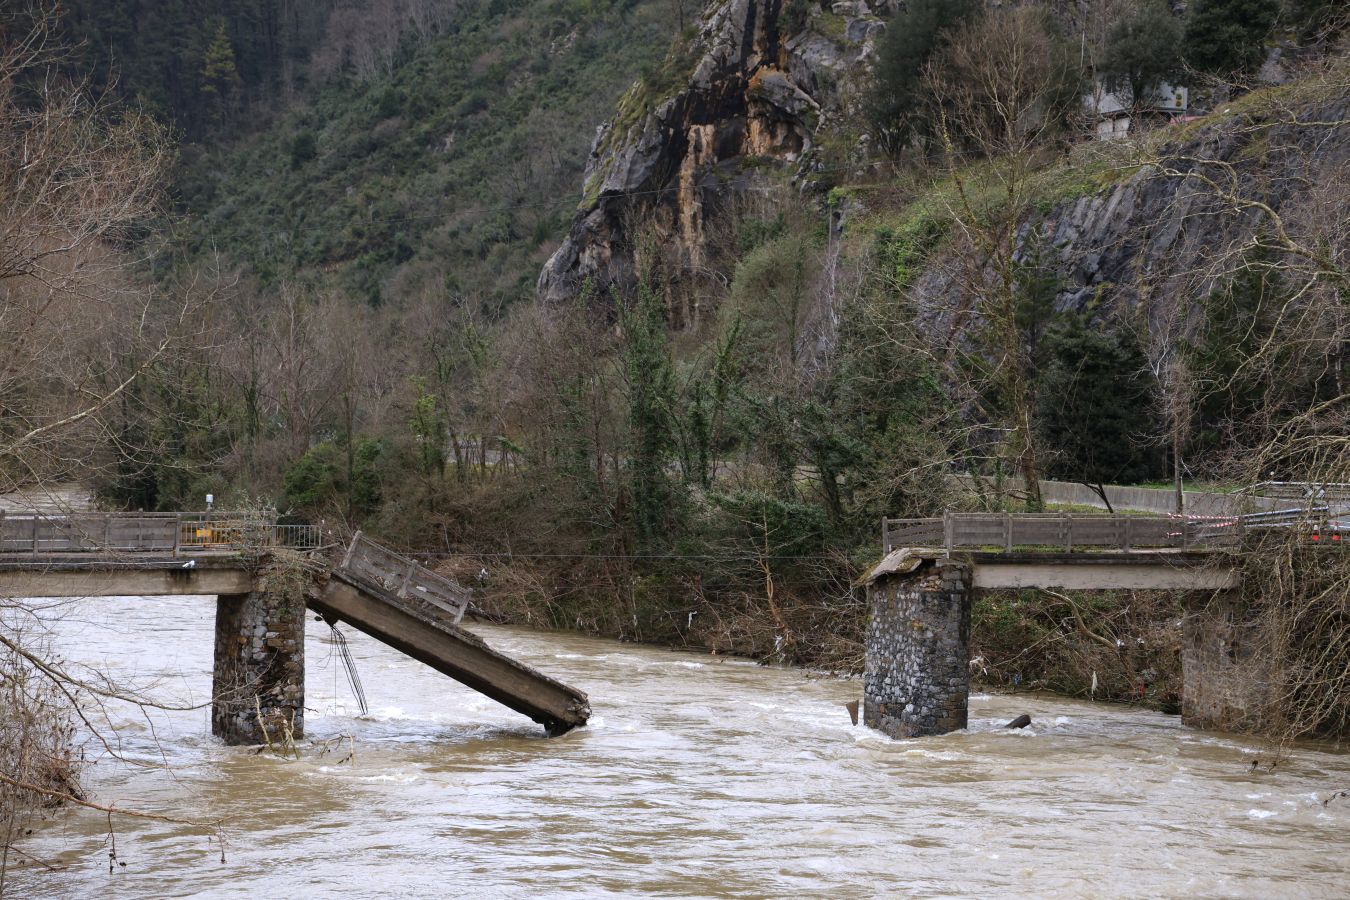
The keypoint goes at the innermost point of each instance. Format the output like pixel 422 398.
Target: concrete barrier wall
pixel 1140 499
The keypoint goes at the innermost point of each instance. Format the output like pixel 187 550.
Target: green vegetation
pixel 199 63
pixel 1143 50
pixel 448 176
pixel 1228 37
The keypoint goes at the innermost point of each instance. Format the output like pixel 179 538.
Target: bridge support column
pixel 1226 661
pixel 259 686
pixel 916 679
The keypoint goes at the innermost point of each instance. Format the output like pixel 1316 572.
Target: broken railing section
pixel 412 609
pixel 404 578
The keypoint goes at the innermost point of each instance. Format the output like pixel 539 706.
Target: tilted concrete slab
pixel 454 651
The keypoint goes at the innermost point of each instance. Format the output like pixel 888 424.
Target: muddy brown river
pixel 698 776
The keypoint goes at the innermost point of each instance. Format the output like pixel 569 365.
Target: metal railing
pixel 36 534
pixel 1066 533
pixel 1299 490
pixel 397 576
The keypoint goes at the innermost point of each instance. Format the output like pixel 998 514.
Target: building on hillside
pixel 1114 116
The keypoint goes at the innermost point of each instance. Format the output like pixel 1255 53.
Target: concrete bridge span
pixel 258 684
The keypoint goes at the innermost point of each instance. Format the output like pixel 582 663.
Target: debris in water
pixel 1021 721
pixel 852 707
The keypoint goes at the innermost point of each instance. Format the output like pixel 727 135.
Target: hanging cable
pixel 349 665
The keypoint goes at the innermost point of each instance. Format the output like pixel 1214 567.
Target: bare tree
pixel 74 182
pixel 1281 217
pixel 1000 89
pixel 77 334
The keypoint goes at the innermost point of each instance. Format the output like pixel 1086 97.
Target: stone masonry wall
pixel 1225 665
pixel 916 679
pixel 259 665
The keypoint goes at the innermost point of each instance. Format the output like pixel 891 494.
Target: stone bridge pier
pixel 258 690
pixel 917 676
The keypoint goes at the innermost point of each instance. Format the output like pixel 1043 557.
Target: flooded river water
pixel 698 776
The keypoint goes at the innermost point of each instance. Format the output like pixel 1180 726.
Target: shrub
pixel 304 147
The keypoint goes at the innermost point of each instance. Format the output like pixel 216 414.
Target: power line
pixel 705 557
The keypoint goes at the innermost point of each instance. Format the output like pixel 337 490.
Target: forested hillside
pixel 212 65
pixel 441 172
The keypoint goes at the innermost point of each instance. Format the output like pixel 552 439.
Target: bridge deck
pixel 385 595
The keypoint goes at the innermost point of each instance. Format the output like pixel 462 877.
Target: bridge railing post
pixel 948 530
pixel 1128 529
pixel 351 550
pixel 406 586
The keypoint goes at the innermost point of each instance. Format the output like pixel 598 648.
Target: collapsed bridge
pixel 259 665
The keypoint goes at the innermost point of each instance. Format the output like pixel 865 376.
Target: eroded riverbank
pixel 699 776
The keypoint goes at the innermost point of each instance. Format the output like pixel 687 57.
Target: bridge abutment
pixel 917 676
pixel 259 682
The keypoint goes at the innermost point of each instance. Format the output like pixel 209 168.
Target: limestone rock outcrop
pixel 743 89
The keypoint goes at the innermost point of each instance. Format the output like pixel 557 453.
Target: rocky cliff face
pixel 1156 241
pixel 743 89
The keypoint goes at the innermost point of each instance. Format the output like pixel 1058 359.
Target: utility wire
pixel 349 666
pixel 707 557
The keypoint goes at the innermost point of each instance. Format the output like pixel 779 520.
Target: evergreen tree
pixel 1037 283
pixel 1094 405
pixel 1227 37
pixel 1143 49
pixel 651 426
pixel 219 73
pixel 897 103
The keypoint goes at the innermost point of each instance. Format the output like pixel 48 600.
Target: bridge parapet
pixel 1069 532
pixel 177 533
pixel 394 574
